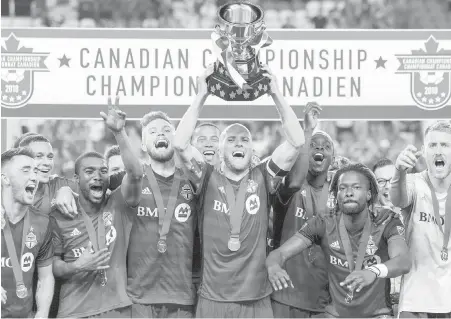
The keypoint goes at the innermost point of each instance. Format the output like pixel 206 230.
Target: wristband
pixel 380 270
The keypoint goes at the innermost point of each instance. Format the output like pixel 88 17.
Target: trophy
pixel 237 74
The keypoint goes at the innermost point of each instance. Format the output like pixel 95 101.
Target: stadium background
pixel 358 140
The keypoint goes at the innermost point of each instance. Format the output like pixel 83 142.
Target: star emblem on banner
pixel 232 95
pixel 380 63
pixel 64 61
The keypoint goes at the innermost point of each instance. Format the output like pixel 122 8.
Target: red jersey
pixel 370 301
pixel 38 251
pixel 155 277
pixel 308 270
pixel 82 295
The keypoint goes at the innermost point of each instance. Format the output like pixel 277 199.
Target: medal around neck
pixel 234 244
pixel 162 247
pixel 21 291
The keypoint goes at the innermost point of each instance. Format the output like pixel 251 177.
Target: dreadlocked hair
pixel 362 169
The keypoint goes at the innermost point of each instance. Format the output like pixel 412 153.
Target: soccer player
pixel 21 138
pixel 91 249
pixel 160 254
pixel 358 252
pixel 206 140
pixel 426 289
pixel 234 210
pixel 26 239
pixel 114 160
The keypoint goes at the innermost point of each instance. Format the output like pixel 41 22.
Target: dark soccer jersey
pixel 38 251
pixel 227 275
pixel 154 277
pixel 370 301
pixel 46 192
pixel 308 270
pixel 82 295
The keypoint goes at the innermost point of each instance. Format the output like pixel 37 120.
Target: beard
pixel 236 166
pixel 351 208
pixel 162 155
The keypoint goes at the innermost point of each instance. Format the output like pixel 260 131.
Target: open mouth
pixel 209 153
pixel 318 158
pixel 96 190
pixel 239 154
pixel 439 163
pixel 44 170
pixel 30 189
pixel 161 144
pixel 350 202
pixel 386 194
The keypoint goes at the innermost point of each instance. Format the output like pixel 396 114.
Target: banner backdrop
pixel 69 73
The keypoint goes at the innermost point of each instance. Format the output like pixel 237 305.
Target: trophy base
pixel 221 85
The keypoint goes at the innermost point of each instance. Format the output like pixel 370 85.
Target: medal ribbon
pixel 435 205
pixel 164 216
pixel 347 243
pixel 236 205
pixel 17 269
pixel 98 242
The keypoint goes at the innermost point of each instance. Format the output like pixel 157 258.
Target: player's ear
pixel 5 180
pixel 76 178
pixel 368 195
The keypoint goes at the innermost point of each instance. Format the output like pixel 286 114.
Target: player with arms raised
pixel 234 211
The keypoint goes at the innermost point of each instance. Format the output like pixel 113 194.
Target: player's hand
pixel 4 298
pixel 312 111
pixel 273 85
pixel 93 261
pixel 359 279
pixel 277 276
pixel 202 83
pixel 408 158
pixel 115 119
pixel 384 211
pixel 65 201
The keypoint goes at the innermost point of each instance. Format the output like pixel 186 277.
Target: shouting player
pixel 26 239
pixel 91 248
pixel 206 140
pixel 350 240
pixel 234 210
pixel 426 289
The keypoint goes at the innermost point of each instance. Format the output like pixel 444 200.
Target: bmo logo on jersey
pixel 253 204
pixel 144 211
pixel 26 262
pixel 337 261
pixel 300 213
pixel 182 212
pixel 220 207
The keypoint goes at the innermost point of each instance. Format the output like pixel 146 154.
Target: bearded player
pixel 91 248
pixel 426 289
pixel 26 240
pixel 234 203
pixel 358 252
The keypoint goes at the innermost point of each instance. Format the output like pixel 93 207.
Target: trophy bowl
pixel 236 41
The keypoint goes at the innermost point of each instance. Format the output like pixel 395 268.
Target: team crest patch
pixel 221 189
pixel 182 212
pixel 371 248
pixel 251 186
pixel 27 261
pixel 253 204
pixel 400 230
pixel 187 192
pixel 430 74
pixel 110 236
pixel 304 192
pixel 331 201
pixel 107 219
pixel 30 239
pixel 19 64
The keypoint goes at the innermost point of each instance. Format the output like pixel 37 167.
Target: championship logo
pixel 253 204
pixel 30 240
pixel 27 261
pixel 18 66
pixel 430 75
pixel 187 192
pixel 182 212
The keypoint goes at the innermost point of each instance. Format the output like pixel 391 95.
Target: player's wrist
pixel 380 270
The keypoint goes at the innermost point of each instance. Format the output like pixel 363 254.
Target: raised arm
pixel 400 194
pixel 286 154
pixel 132 182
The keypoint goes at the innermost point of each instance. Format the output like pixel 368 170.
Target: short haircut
pixel 203 125
pixel 21 138
pixel 362 169
pixel 8 155
pixel 112 151
pixel 33 138
pixel 382 163
pixel 83 156
pixel 439 126
pixel 149 117
pixel 223 135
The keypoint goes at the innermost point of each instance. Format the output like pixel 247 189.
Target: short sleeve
pixel 45 254
pixel 394 230
pixel 56 237
pixel 314 229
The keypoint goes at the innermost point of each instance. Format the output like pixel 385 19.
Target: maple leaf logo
pixel 19 63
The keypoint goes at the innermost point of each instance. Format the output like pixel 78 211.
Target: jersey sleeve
pixel 394 230
pixel 56 237
pixel 46 251
pixel 197 174
pixel 314 229
pixel 116 180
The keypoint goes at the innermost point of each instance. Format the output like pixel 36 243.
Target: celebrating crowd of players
pixel 204 229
